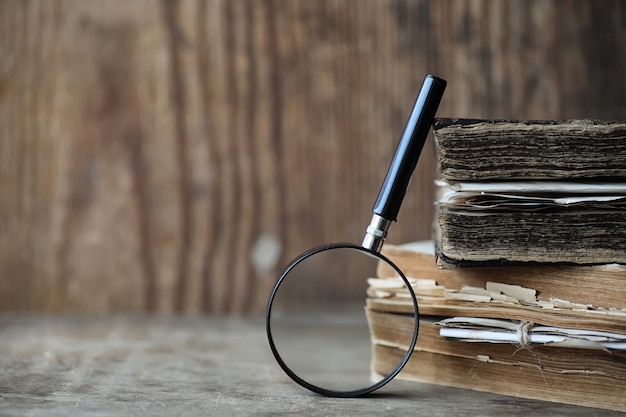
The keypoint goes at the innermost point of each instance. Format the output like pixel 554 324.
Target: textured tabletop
pixel 200 366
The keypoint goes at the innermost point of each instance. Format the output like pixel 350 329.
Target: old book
pixel 587 377
pixel 473 150
pixel 528 332
pixel 595 286
pixel 530 191
pixel 515 222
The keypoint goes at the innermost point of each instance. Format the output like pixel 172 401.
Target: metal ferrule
pixel 376 233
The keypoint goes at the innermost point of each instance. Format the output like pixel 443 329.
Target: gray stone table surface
pixel 195 366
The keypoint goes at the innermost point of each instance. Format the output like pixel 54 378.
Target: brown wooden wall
pixel 173 156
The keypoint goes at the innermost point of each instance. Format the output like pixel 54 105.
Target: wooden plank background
pixel 173 156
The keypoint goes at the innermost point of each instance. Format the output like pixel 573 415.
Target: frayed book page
pixel 525 334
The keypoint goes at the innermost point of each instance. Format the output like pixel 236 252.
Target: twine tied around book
pixel 523 334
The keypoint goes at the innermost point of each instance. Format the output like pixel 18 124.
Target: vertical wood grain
pixel 173 156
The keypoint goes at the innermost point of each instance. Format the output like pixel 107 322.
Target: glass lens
pixel 322 324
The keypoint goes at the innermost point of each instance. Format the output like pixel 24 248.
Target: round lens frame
pixel 318 389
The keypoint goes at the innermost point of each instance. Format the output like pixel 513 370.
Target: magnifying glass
pixel 320 340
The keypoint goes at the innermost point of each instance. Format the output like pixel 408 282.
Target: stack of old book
pixel 523 290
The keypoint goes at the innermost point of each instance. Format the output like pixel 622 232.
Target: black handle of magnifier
pixel 409 149
pixel 404 161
